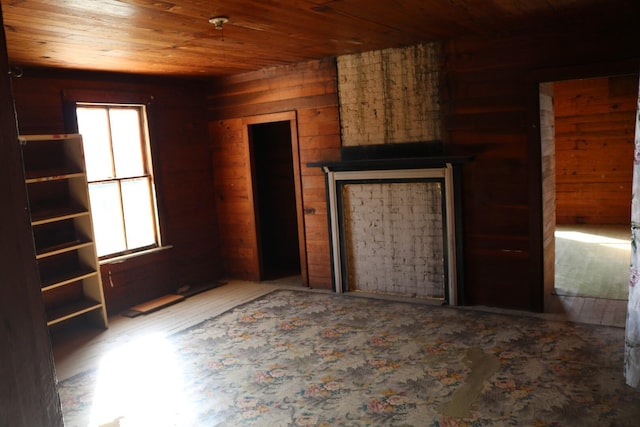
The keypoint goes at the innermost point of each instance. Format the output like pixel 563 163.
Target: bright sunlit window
pixel 121 189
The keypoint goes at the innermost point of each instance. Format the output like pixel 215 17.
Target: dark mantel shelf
pixel 408 155
pixel 391 163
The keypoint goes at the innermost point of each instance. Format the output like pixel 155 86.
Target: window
pixel 121 187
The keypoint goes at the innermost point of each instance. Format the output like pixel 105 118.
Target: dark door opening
pixel 275 199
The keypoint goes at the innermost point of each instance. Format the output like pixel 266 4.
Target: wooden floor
pixel 592 260
pixel 597 265
pixel 76 351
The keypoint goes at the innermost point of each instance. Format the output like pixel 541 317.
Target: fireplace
pixel 395 226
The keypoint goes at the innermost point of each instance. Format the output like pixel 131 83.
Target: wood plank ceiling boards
pixel 176 38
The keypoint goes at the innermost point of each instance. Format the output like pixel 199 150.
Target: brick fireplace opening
pixel 394 237
pixel 395 227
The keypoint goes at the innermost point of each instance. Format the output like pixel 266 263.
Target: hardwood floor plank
pixel 597 273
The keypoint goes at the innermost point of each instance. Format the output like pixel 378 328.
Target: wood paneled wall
pixel 181 157
pixel 28 394
pixel 309 89
pixel 491 111
pixel 595 124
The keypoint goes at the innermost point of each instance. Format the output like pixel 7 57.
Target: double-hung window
pixel 121 186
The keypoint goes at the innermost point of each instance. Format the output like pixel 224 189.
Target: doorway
pixel 276 199
pixel 587 129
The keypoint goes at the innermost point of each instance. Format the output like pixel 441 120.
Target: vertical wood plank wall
pixel 491 111
pixel 28 394
pixel 595 124
pixel 181 153
pixel 309 89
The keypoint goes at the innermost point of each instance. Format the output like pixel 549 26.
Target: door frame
pixel 542 293
pixel 291 117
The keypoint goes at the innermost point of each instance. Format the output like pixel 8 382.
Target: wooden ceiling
pixel 174 37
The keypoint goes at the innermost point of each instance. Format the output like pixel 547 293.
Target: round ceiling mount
pixel 219 21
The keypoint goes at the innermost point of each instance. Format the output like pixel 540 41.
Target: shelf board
pixel 71 310
pixel 49 137
pixel 61 248
pixel 51 175
pixel 58 214
pixel 65 279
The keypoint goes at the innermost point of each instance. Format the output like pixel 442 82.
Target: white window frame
pixel 147 174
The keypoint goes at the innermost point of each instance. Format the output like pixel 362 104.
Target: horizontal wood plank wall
pixel 595 125
pixel 309 89
pixel 491 111
pixel 180 151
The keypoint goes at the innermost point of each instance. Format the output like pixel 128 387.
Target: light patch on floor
pixel 141 383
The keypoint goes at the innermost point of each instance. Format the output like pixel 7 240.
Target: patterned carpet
pixel 295 358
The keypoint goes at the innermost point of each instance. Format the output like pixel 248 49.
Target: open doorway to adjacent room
pixel 276 198
pixel 587 132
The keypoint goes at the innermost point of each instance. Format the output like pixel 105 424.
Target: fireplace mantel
pixel 395 163
pixel 443 171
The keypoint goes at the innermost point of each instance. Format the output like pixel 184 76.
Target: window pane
pixel 116 146
pixel 127 145
pixel 94 127
pixel 107 218
pixel 138 212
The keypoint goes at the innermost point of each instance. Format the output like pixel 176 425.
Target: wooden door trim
pixel 291 117
pixel 541 297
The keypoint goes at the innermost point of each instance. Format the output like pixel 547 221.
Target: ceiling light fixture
pixel 218 21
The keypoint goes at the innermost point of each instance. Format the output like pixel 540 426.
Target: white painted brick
pixel 394 238
pixel 389 96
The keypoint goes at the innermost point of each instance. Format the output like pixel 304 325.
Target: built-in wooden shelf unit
pixel 62 228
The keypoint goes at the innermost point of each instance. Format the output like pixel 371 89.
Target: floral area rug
pixel 296 358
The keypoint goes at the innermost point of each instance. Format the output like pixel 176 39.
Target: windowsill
pixel 123 258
